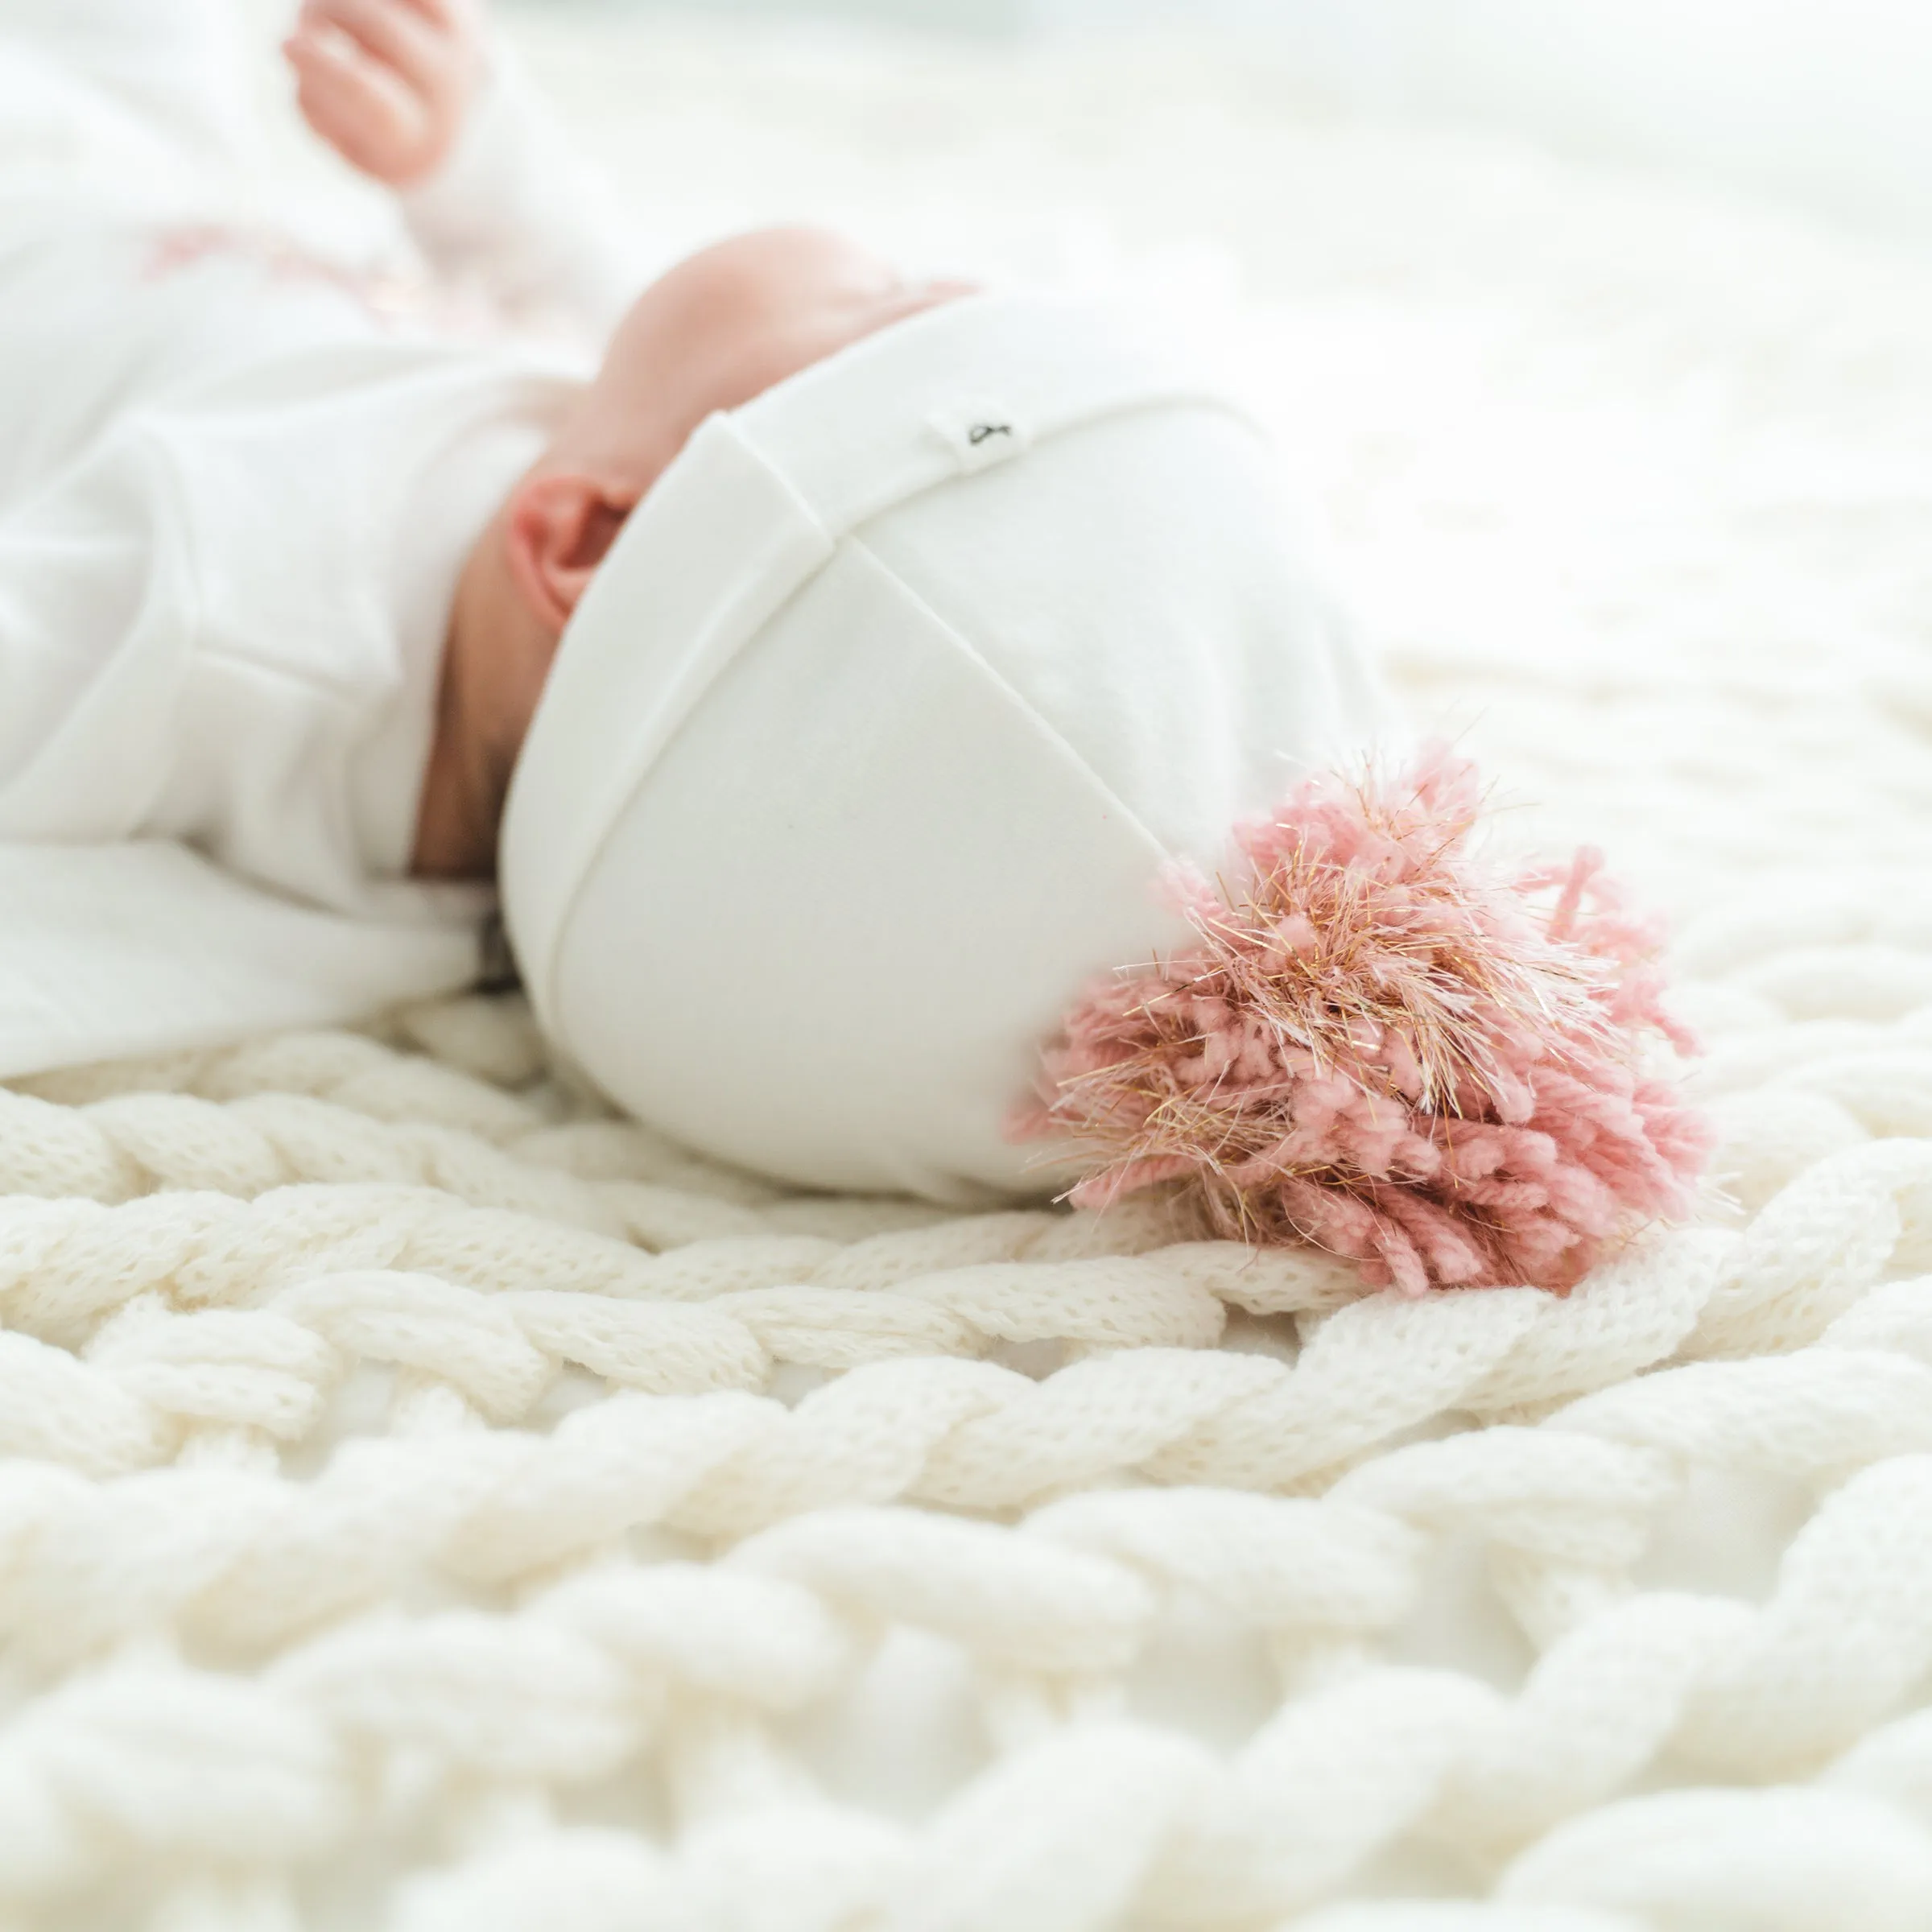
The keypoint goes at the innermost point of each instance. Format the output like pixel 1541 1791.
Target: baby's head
pixel 950 673
pixel 872 731
pixel 721 327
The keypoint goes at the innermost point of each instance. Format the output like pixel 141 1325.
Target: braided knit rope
pixel 428 1503
pixel 459 1599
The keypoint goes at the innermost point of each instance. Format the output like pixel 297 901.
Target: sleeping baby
pixel 899 724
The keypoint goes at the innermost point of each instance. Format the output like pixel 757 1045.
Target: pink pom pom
pixel 1387 1050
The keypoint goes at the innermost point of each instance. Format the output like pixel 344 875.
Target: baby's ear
pixel 561 524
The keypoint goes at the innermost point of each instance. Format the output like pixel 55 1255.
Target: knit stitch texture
pixel 428 1504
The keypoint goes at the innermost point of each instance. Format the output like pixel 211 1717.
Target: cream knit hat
pixel 870 741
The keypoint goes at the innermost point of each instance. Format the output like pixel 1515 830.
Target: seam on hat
pixel 585 852
pixel 1020 702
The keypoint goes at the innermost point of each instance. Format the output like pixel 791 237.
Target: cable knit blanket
pixel 428 1504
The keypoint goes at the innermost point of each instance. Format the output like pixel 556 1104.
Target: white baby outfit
pixel 237 480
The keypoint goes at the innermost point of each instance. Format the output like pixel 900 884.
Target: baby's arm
pixel 415 94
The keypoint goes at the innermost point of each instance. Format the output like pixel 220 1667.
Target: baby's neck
pixel 467 778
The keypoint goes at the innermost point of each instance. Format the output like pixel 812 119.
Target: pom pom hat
pixel 874 738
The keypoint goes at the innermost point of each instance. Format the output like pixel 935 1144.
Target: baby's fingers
pixel 364 109
pixel 397 34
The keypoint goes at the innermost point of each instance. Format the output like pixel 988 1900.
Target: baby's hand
pixel 387 83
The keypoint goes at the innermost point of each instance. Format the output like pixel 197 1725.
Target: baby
pixel 834 675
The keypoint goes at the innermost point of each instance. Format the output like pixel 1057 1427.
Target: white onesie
pixel 236 483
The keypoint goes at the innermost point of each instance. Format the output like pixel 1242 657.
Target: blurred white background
pixel 1819 103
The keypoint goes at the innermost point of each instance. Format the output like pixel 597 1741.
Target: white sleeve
pixel 520 215
pixel 196 646
pixel 93 643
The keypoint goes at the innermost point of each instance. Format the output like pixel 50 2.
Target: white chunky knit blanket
pixel 428 1504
